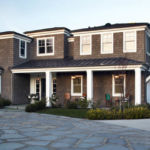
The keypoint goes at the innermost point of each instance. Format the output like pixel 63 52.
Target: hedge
pixel 128 113
pixel 4 102
pixel 35 107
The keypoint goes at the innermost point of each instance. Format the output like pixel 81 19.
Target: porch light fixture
pixel 73 77
pixel 117 76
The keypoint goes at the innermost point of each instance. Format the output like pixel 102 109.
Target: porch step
pixel 16 107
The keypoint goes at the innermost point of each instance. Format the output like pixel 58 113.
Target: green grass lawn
pixel 76 113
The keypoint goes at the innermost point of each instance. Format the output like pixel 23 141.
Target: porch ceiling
pixel 58 63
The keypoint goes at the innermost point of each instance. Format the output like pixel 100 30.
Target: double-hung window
pixel 119 85
pixel 22 49
pixel 107 43
pixel 85 45
pixel 76 85
pixel 45 46
pixel 129 41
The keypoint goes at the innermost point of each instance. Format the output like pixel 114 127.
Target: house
pixel 113 59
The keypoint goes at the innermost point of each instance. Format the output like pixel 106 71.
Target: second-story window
pixel 45 46
pixel 129 41
pixel 107 43
pixel 85 45
pixel 22 49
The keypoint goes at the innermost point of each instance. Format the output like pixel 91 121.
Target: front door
pixel 43 88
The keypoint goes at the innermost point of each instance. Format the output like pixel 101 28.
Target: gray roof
pixel 112 26
pixel 58 63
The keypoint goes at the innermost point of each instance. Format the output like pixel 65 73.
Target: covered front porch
pixel 92 82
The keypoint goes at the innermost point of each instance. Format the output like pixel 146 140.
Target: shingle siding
pixel 6 62
pixel 59 47
pixel 117 47
pixel 102 84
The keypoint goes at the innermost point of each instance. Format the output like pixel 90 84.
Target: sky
pixel 26 15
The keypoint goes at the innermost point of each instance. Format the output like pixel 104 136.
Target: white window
pixel 76 85
pixel 38 87
pixel 107 43
pixel 129 41
pixel 0 84
pixel 22 49
pixel 85 45
pixel 45 46
pixel 119 85
pixel 54 86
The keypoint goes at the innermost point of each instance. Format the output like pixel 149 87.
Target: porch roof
pixel 58 63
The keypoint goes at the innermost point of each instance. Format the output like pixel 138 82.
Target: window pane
pixel 49 42
pixel 86 44
pixel 22 51
pixel 130 45
pixel 41 50
pixel 119 84
pixel 85 49
pixel 107 47
pixel 119 89
pixel 107 43
pixel 77 89
pixel 22 44
pixel 77 80
pixel 50 49
pixel 41 42
pixel 129 36
pixel 77 85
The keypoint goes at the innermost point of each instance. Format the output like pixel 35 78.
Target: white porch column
pixel 89 85
pixel 138 86
pixel 48 88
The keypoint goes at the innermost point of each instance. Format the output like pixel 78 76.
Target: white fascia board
pixel 76 69
pixel 11 36
pixel 45 33
pixel 115 30
pixel 71 40
pixel 22 38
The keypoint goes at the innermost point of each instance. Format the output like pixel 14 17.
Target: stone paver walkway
pixel 32 131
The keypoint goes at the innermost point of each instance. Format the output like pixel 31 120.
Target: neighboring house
pixel 91 61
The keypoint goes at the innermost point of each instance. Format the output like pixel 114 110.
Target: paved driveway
pixel 31 131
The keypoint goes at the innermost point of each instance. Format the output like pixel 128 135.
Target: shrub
pixel 4 102
pixel 82 103
pixel 128 113
pixel 1 104
pixel 54 101
pixel 35 107
pixel 71 104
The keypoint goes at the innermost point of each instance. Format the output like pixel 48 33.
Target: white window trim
pixel 25 53
pixel 45 54
pixel 76 94
pixel 113 86
pixel 90 53
pixel 131 51
pixel 54 78
pixel 101 44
